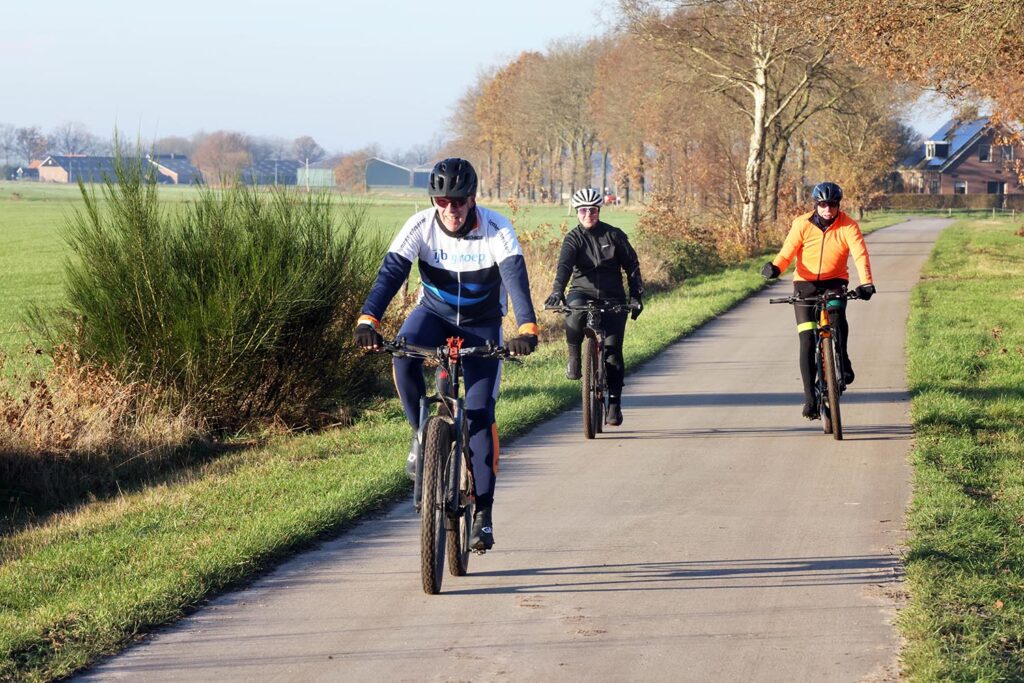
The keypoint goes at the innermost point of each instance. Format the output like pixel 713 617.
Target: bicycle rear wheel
pixel 590 402
pixel 436 450
pixel 829 368
pixel 460 526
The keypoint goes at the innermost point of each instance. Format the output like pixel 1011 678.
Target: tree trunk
pixel 750 219
pixel 604 170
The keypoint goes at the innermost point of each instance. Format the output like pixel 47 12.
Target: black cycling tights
pixel 615 327
pixel 807 369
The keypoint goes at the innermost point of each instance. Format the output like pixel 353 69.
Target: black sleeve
pixel 566 261
pixel 630 263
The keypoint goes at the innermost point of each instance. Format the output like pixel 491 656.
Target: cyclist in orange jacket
pixel 821 242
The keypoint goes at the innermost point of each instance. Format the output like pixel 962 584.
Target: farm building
pixel 320 174
pixel 175 169
pixel 963 157
pixel 381 173
pixel 29 172
pixel 71 169
pixel 272 172
pixel 171 169
pixel 421 176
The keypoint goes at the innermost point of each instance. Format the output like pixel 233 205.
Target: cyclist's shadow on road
pixel 752 398
pixel 790 572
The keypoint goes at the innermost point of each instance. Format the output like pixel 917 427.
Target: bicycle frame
pixel 594 309
pixel 828 354
pixel 445 500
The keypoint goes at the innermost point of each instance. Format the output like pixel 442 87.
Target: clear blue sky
pixel 347 72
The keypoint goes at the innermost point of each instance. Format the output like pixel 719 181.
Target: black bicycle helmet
pixel 827 192
pixel 453 178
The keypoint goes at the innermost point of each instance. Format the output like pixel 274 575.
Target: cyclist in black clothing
pixel 596 254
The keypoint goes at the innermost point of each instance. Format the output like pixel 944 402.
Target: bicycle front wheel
pixel 460 526
pixel 831 370
pixel 436 450
pixel 590 402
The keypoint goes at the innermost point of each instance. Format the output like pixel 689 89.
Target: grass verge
pixel 965 568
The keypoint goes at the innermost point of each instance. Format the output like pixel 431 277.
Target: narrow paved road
pixel 715 536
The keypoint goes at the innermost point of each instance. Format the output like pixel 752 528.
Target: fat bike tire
pixel 437 448
pixel 460 526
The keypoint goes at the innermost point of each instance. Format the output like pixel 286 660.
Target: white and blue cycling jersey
pixel 466 280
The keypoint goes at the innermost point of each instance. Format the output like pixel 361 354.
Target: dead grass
pixel 68 430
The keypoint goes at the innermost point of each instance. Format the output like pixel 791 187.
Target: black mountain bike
pixel 593 354
pixel 444 489
pixel 828 355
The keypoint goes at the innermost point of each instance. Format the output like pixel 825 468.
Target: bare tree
pixel 759 55
pixel 29 143
pixel 222 155
pixel 264 148
pixel 72 137
pixel 305 148
pixel 174 144
pixel 8 142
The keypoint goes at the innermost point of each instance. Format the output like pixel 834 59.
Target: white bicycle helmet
pixel 587 196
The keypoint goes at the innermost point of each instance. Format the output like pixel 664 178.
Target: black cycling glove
pixel 865 291
pixel 367 337
pixel 555 299
pixel 636 307
pixel 523 345
pixel 770 271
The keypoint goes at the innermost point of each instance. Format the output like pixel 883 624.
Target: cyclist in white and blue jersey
pixel 470 264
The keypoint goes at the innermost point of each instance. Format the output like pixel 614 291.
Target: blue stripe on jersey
pixel 454 299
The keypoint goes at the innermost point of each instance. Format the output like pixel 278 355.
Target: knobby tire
pixel 460 527
pixel 830 369
pixel 436 449
pixel 589 387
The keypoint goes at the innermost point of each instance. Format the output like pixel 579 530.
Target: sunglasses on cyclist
pixel 831 205
pixel 443 202
pixel 587 209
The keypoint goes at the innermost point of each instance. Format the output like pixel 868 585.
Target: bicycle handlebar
pixel 596 306
pixel 824 296
pixel 399 347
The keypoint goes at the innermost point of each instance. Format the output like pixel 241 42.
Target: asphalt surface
pixel 714 536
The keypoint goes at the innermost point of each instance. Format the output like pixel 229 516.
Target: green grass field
pixel 32 217
pixel 965 567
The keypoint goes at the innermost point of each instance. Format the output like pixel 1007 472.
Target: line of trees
pixel 725 107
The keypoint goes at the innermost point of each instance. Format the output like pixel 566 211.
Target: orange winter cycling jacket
pixel 823 255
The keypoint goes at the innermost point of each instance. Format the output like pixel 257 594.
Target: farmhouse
pixel 56 168
pixel 963 157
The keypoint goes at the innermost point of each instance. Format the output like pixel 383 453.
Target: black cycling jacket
pixel 595 259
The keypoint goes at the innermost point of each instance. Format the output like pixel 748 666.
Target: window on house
pixel 933 186
pixel 996 187
pixel 1006 152
pixel 960 187
pixel 985 153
